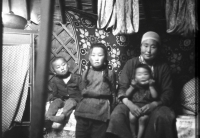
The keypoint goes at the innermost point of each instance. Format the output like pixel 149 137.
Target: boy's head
pixel 98 55
pixel 143 74
pixel 60 66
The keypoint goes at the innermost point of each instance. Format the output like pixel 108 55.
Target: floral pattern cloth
pixel 177 50
pixel 87 34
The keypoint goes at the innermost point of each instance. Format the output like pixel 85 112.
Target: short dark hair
pixel 55 59
pixel 101 46
pixel 105 66
pixel 144 66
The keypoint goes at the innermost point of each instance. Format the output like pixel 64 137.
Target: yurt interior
pixel 34 33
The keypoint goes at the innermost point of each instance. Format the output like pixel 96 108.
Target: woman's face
pixel 149 49
pixel 97 57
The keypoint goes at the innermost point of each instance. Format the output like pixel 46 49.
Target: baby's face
pixel 142 76
pixel 60 67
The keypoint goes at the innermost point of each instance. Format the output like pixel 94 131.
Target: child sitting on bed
pixel 65 92
pixel 141 92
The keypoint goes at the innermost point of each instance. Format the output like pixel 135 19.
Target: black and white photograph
pixel 99 69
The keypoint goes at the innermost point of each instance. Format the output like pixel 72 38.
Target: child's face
pixel 60 67
pixel 97 57
pixel 142 76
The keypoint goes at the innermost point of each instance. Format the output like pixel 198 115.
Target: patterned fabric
pixel 189 97
pixel 178 51
pixel 181 17
pixel 186 127
pixel 87 34
pixel 15 83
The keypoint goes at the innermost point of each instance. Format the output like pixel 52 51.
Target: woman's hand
pixel 148 108
pixel 134 109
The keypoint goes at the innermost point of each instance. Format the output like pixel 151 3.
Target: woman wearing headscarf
pixel 162 119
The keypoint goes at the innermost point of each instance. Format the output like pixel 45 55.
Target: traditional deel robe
pixel 161 118
pixel 97 96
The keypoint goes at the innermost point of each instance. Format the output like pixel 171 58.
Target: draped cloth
pixel 122 16
pixel 15 81
pixel 181 17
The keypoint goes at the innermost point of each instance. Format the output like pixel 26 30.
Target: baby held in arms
pixel 140 92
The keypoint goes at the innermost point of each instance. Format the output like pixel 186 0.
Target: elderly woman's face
pixel 149 49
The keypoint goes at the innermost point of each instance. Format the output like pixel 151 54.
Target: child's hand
pixel 50 97
pixel 133 83
pixel 151 82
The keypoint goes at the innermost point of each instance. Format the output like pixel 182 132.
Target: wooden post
pixel 1 31
pixel 79 4
pixel 42 67
pixel 62 11
pixel 94 6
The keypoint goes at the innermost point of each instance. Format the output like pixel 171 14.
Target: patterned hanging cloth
pixel 181 17
pixel 15 81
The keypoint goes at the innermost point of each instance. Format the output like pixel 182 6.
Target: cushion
pixel 188 97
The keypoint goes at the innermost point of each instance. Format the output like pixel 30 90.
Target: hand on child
pixel 135 110
pixel 148 108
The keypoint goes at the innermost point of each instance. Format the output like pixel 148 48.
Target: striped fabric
pixel 15 81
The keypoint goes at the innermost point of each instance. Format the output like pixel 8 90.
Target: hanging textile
pixel 15 81
pixel 105 11
pixel 181 17
pixel 122 16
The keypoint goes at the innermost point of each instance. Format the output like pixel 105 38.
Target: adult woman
pixel 161 116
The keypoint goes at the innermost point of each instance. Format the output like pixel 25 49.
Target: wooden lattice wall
pixel 64 45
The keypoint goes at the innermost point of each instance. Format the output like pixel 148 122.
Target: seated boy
pixel 65 91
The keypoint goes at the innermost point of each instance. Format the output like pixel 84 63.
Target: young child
pixel 141 92
pixel 93 111
pixel 65 91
